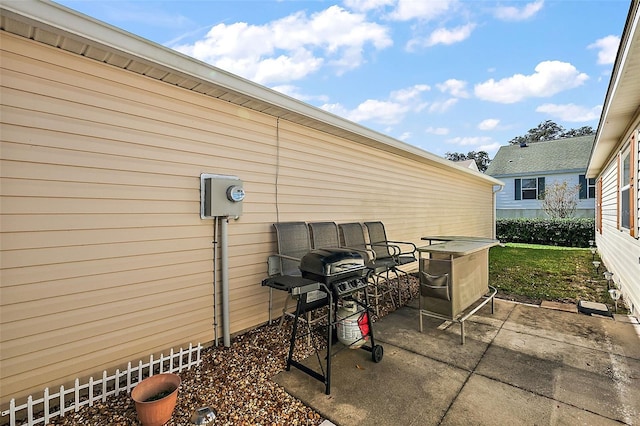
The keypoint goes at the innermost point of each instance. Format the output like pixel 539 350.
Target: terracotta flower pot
pixel 155 398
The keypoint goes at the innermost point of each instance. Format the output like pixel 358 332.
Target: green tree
pixel 549 130
pixel 481 158
pixel 582 131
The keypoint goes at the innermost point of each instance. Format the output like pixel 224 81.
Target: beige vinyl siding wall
pixel 104 257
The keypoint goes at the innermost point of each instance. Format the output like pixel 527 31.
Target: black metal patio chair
pixel 324 235
pixel 400 253
pixel 294 242
pixel 354 237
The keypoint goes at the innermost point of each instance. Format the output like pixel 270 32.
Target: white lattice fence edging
pixel 79 395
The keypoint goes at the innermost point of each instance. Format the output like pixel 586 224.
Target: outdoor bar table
pixel 454 275
pixel 431 238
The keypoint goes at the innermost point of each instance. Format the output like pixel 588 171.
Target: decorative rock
pixel 235 382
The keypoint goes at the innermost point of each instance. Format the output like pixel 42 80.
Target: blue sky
pixel 443 75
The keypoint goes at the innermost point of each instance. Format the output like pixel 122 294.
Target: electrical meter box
pixel 220 196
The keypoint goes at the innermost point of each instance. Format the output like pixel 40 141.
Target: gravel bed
pixel 235 382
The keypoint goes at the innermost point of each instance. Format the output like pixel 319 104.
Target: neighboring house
pixel 526 170
pixel 614 165
pixel 469 164
pixel 105 258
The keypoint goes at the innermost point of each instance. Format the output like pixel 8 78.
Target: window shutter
pixel 518 189
pixel 540 187
pixel 583 187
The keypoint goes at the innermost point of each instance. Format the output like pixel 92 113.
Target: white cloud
pixel 290 48
pixel 607 49
pixel 405 136
pixel 420 9
pixel 294 92
pixel 490 148
pixel 336 109
pixel 271 69
pixel 442 36
pixel 442 106
pixel 470 140
pixel 440 131
pixel 512 13
pixel 488 124
pixel 571 112
pixel 366 5
pixel 457 88
pixel 409 94
pixel 384 112
pixel 550 77
pixel 387 112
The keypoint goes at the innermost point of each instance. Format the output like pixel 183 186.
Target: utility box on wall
pixel 220 196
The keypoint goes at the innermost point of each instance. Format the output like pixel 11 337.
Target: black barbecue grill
pixel 341 269
pixel 340 273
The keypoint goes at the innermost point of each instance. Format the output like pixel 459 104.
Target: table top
pixel 459 247
pixel 456 238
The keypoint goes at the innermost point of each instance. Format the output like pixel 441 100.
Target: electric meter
pixel 220 196
pixel 235 193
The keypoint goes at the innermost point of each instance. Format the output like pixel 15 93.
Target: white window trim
pixel 624 185
pixel 589 186
pixel 534 188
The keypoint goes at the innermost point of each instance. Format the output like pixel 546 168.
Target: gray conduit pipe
pixel 215 280
pixel 224 271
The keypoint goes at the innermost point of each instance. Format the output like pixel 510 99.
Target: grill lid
pixel 332 264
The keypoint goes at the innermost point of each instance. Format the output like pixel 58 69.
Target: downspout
pixel 496 189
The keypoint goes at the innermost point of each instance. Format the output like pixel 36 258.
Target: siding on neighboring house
pixel 508 206
pixel 104 257
pixel 617 139
pixel 549 162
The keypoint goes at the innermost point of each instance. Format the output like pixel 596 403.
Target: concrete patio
pixel 522 365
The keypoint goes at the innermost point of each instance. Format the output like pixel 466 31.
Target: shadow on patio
pixel 522 365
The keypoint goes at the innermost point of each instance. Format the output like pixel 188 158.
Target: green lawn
pixel 533 273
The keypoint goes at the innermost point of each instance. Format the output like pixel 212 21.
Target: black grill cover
pixel 332 264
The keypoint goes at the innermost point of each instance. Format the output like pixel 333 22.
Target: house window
pixel 587 187
pixel 529 188
pixel 625 190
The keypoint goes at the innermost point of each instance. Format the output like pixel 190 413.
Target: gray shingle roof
pixel 569 154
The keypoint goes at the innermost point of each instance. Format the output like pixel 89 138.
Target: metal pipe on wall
pixel 215 280
pixel 221 197
pixel 224 271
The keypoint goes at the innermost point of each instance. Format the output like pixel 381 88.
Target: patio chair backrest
pixel 293 243
pixel 324 235
pixel 353 236
pixel 378 239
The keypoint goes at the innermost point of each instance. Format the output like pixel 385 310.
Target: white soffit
pixel 623 96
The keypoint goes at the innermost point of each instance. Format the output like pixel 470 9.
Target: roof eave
pixel 58 19
pixel 614 124
pixel 539 173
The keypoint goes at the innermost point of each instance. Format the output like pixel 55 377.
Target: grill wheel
pixel 376 353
